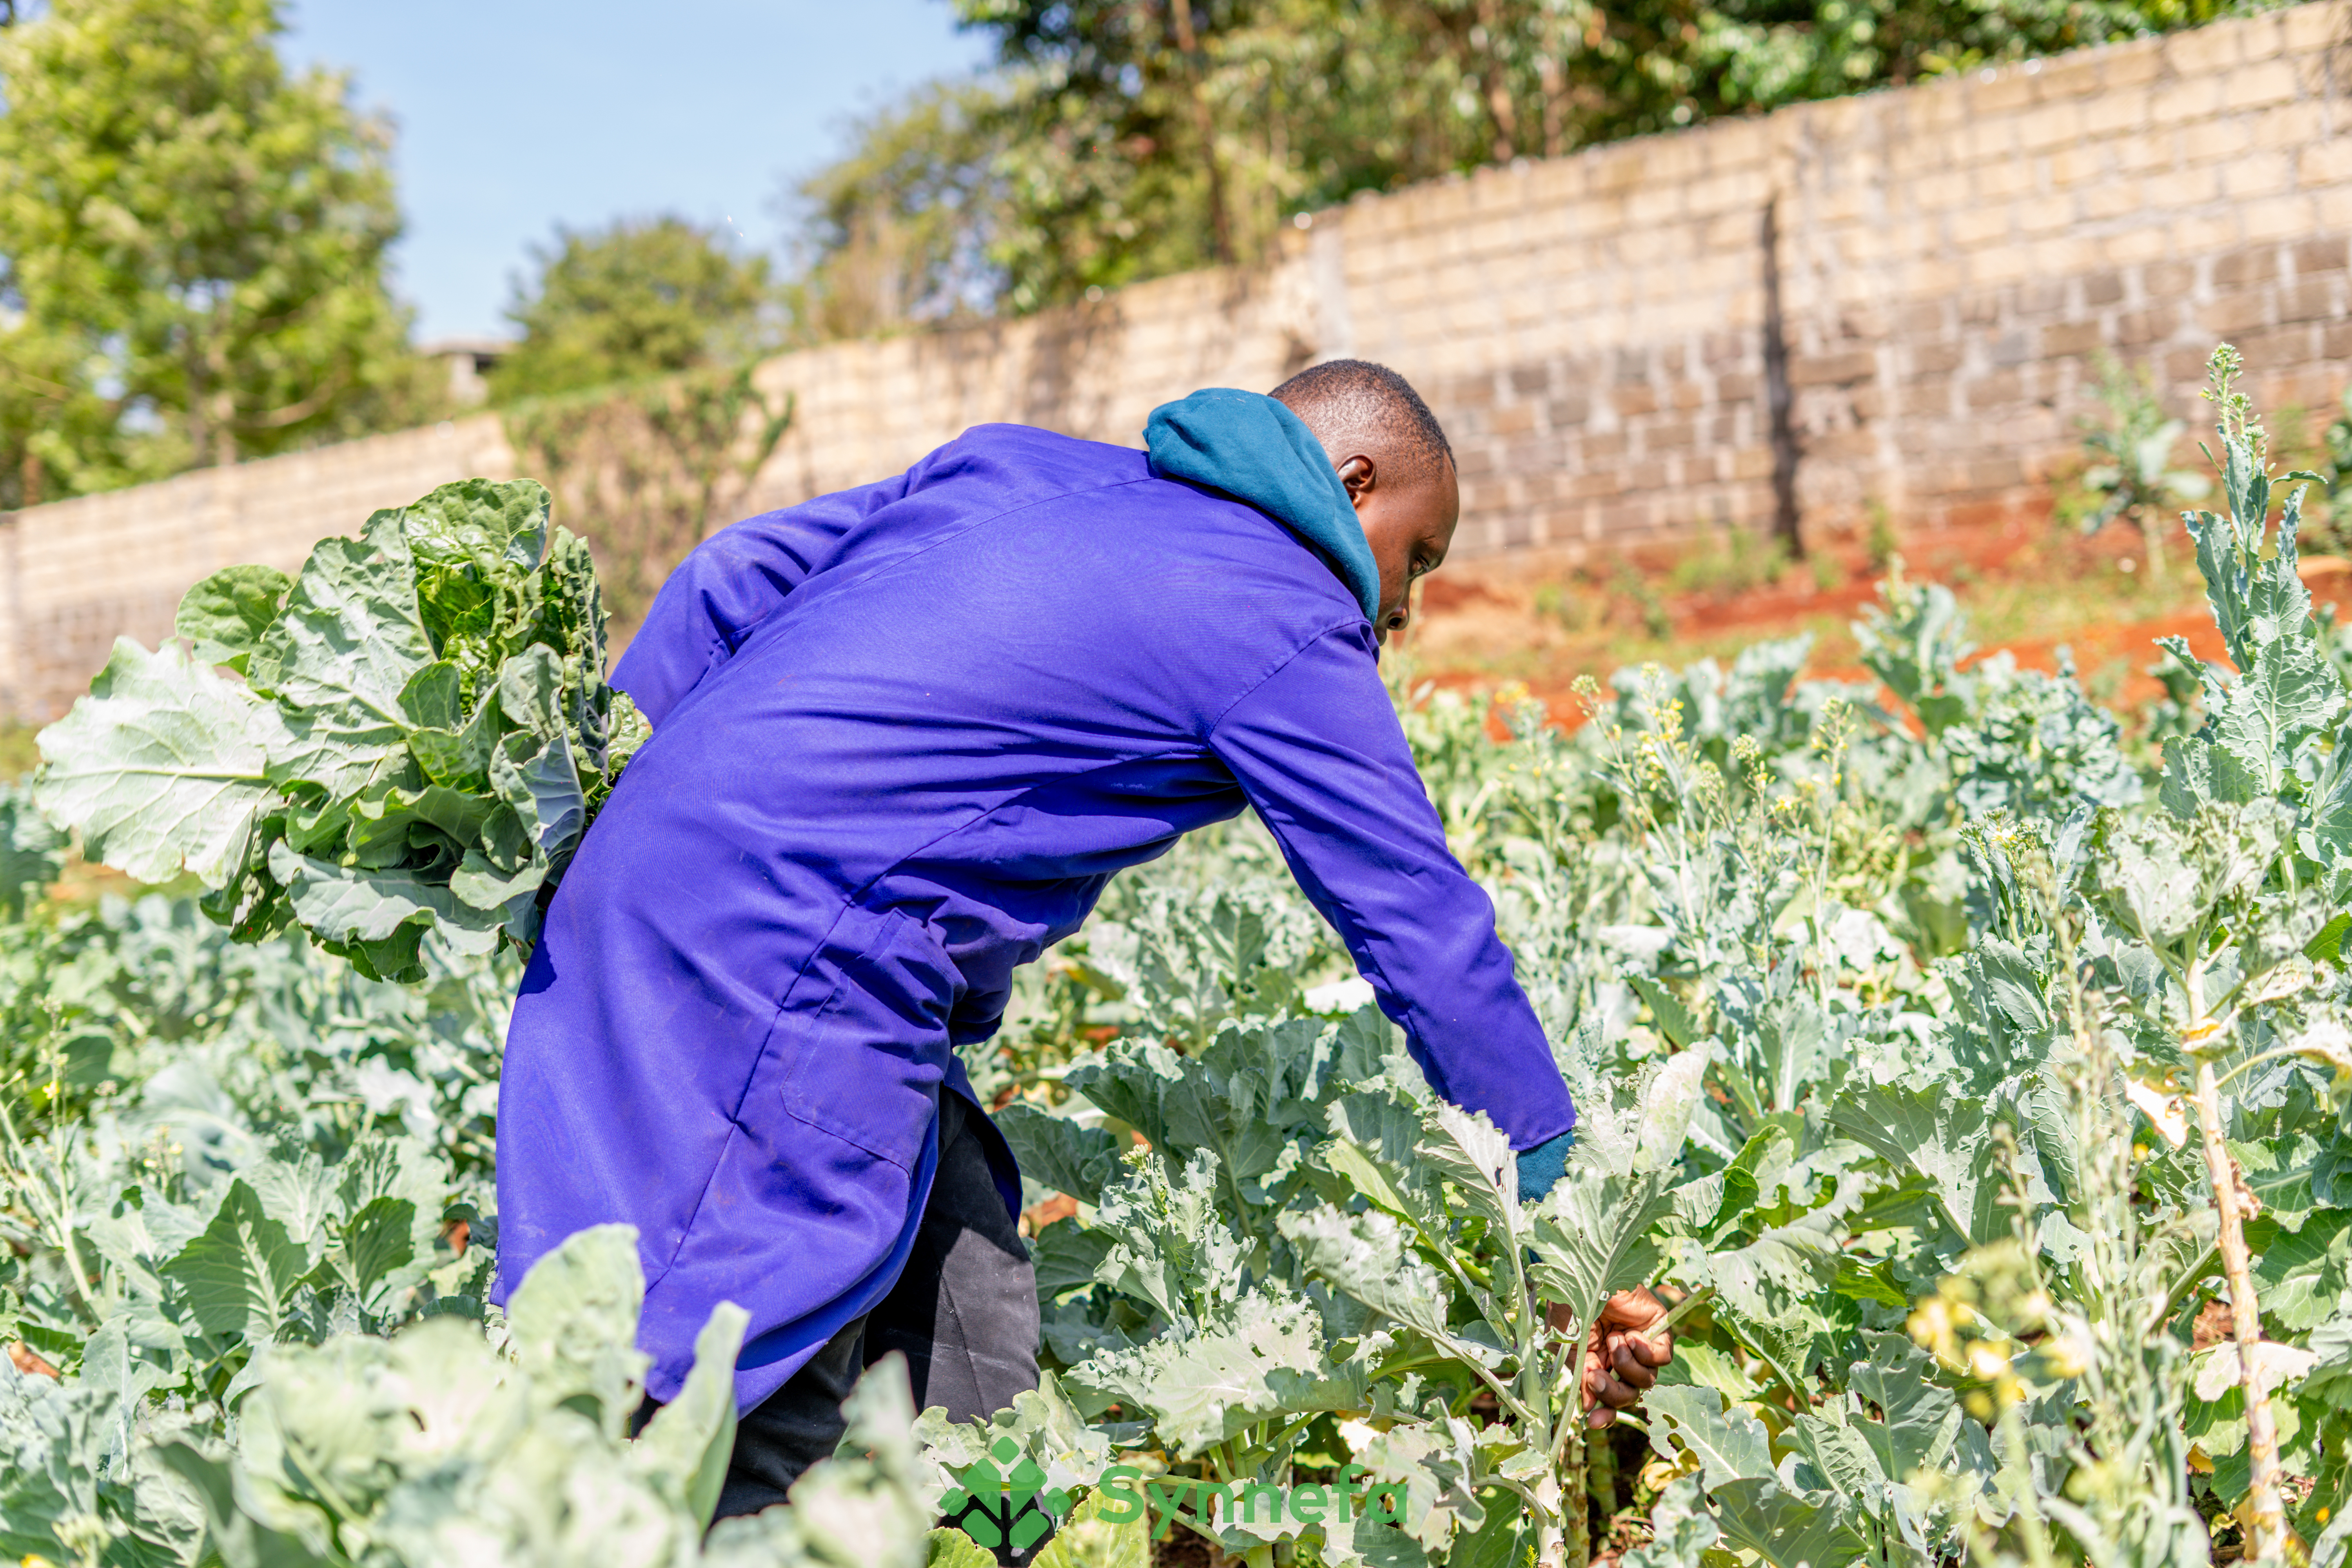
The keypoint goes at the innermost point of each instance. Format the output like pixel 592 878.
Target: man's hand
pixel 1623 1354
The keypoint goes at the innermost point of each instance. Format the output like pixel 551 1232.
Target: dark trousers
pixel 964 1315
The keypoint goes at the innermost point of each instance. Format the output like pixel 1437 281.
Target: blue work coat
pixel 903 736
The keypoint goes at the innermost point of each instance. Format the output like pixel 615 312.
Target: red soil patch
pixel 1989 558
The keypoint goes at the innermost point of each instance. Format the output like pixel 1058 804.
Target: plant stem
pixel 1575 1504
pixel 2268 1542
pixel 63 1220
pixel 1686 1307
pixel 2188 1280
pixel 1601 1474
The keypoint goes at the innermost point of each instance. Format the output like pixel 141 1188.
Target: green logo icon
pixel 1001 1501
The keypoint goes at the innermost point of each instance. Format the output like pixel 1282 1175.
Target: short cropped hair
pixel 1354 405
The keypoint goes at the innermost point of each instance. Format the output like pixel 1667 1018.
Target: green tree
pixel 633 391
pixel 639 297
pixel 1118 140
pixel 897 232
pixel 192 247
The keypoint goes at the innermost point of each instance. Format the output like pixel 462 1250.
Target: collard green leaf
pixel 1468 1151
pixel 473 521
pixel 1058 1152
pixel 1066 1257
pixel 685 1448
pixel 2330 1377
pixel 1727 1443
pixel 32 853
pixel 241 1540
pixel 2291 692
pixel 1918 1421
pixel 1592 1238
pixel 1940 1136
pixel 2301 1272
pixel 573 1323
pixel 378 918
pixel 161 767
pixel 1681 1530
pixel 542 788
pixel 224 616
pixel 1264 1358
pixel 339 657
pixel 239 1275
pixel 1782 1528
pixel 1667 1009
pixel 1172 1241
pixel 378 1242
pixel 1369 1256
pixel 1834 1459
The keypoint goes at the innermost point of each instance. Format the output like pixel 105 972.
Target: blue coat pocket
pixel 866 1064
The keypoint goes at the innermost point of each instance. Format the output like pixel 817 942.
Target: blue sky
pixel 517 115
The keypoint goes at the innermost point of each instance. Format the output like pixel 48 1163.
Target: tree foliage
pixel 897 231
pixel 192 246
pixel 636 299
pixel 633 391
pixel 1125 139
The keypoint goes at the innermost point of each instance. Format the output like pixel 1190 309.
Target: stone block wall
pixel 1892 301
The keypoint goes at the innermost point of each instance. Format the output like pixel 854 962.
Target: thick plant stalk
pixel 1575 1505
pixel 2269 1542
pixel 1600 1475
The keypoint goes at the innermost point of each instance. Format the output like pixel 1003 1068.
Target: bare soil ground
pixel 1539 621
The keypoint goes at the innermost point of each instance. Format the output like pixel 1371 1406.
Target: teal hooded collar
pixel 1259 452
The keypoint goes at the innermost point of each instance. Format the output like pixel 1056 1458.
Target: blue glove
pixel 1543 1166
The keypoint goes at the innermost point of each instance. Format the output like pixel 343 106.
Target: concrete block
pixel 2045 215
pixel 2202 51
pixel 2326 160
pixel 2185 101
pixel 2051 126
pixel 2070 337
pixel 2150 152
pixel 2119 110
pixel 2255 174
pixel 2307 29
pixel 2312 300
pixel 2284 217
pixel 2217 141
pixel 2001 179
pixel 2246 265
pixel 2236 311
pixel 2079 163
pixel 2109 199
pixel 2287 127
pixel 2261 38
pixel 2134 245
pixel 2071 77
pixel 2007 93
pixel 1974 228
pixel 2259 86
pixel 2322 254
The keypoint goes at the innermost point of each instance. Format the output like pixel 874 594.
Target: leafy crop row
pixel 1973 1065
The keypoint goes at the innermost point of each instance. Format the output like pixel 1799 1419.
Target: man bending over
pixel 903 736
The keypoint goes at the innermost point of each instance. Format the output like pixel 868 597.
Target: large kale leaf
pixel 409 734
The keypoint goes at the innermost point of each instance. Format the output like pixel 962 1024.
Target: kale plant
pixel 409 735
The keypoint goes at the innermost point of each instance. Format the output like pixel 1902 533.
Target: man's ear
pixel 1360 476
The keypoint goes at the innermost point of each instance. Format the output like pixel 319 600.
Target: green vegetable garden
pixel 1972 1067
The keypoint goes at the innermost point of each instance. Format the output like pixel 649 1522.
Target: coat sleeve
pixel 732 582
pixel 1318 749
